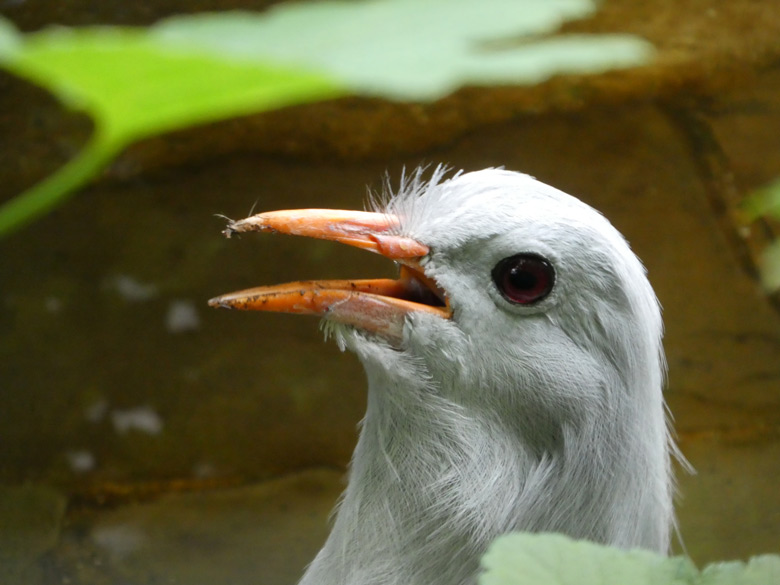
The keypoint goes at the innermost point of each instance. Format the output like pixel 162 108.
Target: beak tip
pixel 218 303
pixel 230 230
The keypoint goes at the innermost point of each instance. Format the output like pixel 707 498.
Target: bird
pixel 515 376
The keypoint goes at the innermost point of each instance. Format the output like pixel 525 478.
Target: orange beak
pixel 378 306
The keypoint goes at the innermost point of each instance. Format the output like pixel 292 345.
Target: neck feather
pixel 433 482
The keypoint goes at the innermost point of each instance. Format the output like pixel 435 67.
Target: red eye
pixel 524 279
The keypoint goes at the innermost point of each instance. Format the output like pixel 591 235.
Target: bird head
pixel 515 366
pixel 507 286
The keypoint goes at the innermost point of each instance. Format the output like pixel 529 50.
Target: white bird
pixel 515 375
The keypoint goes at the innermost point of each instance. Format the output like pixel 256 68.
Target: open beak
pixel 378 306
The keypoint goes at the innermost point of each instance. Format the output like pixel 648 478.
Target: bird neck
pixel 434 481
pixel 419 482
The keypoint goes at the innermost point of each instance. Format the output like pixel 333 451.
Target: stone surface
pixel 248 396
pixel 30 522
pixel 258 534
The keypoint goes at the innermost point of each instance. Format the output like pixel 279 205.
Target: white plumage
pixel 535 416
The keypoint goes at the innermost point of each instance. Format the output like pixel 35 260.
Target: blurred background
pixel 145 438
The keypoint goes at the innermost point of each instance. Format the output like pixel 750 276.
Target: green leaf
pixel 412 50
pixel 553 559
pixel 190 70
pixel 763 202
pixel 10 39
pixel 134 87
pixel 769 267
pixel 193 69
pixel 53 190
pixel 761 570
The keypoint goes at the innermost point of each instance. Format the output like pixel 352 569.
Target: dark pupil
pixel 522 279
